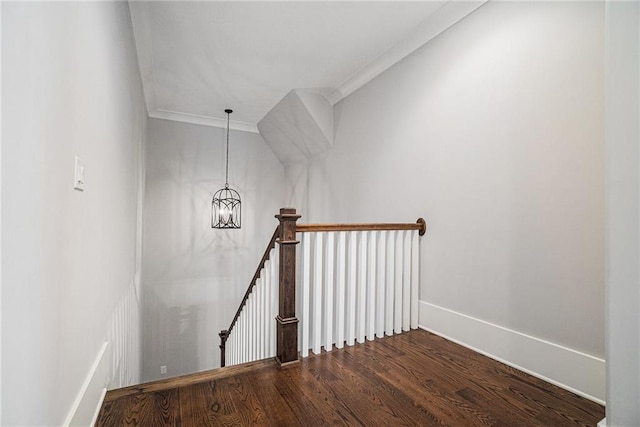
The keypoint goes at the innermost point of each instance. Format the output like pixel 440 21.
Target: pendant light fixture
pixel 226 204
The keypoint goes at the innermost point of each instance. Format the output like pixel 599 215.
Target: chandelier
pixel 226 204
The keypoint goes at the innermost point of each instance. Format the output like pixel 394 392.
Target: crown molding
pixel 447 15
pixel 202 120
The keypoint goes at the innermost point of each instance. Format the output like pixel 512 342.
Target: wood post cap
pixel 288 213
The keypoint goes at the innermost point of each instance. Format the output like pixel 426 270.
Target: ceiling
pixel 198 58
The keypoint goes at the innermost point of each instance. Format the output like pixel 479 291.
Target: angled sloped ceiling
pixel 299 126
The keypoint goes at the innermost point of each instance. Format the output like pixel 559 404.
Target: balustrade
pixel 355 282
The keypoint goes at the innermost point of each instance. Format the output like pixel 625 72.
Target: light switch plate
pixel 78 177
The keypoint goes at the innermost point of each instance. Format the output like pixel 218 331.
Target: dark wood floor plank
pixel 248 406
pixel 414 378
pixel 450 383
pixel 506 383
pixel 275 395
pixel 207 404
pixel 376 402
pixel 154 409
pixel 327 406
pixel 435 391
pixel 112 412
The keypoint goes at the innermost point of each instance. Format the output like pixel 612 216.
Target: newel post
pixel 224 334
pixel 286 321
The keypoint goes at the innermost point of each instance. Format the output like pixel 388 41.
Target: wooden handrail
pixel 224 334
pixel 419 225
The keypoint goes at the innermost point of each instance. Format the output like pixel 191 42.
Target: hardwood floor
pixel 415 378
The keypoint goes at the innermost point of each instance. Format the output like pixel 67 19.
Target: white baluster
pixel 241 338
pixel 340 288
pixel 247 331
pixel 254 326
pixel 229 351
pixel 306 287
pixel 391 262
pixel 258 321
pixel 269 315
pixel 371 285
pixel 245 335
pixel 397 299
pixel 317 294
pixel 381 283
pixel 250 328
pixel 233 349
pixel 238 333
pixel 259 318
pixel 263 315
pixel 328 292
pixel 236 349
pixel 299 286
pixel 406 282
pixel 275 256
pixel 415 279
pixel 351 288
pixel 267 303
pixel 361 308
pixel 236 343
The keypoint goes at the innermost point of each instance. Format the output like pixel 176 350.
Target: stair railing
pixel 243 345
pixel 356 282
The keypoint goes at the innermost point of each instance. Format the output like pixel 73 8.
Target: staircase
pixel 355 282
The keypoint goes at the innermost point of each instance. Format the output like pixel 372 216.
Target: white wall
pixel 623 214
pixel 70 86
pixel 0 222
pixel 494 133
pixel 194 277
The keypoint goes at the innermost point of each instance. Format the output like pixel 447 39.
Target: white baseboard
pixel 572 370
pixel 602 423
pixel 85 409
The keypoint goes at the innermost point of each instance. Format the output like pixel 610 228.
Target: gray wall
pixel 70 86
pixel 623 214
pixel 194 277
pixel 494 133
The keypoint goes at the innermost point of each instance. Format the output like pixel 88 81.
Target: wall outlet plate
pixel 163 369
